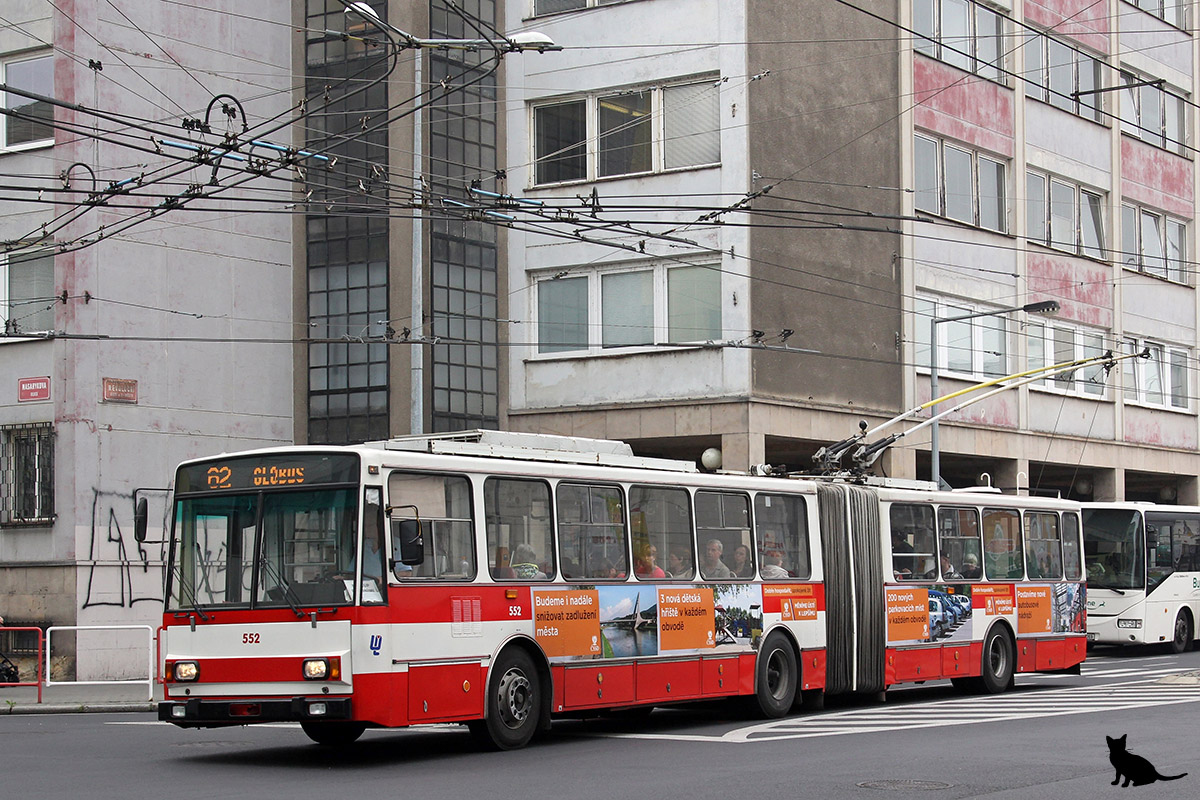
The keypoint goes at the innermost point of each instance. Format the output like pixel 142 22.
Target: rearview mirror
pixel 140 517
pixel 408 535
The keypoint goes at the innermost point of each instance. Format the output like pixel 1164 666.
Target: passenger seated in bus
pixel 713 568
pixel 772 566
pixel 524 563
pixel 948 571
pixel 644 565
pixel 606 569
pixel 971 566
pixel 743 565
pixel 680 564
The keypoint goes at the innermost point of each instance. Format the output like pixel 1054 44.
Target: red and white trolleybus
pixel 500 580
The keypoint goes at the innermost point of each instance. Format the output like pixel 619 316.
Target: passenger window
pixel 960 554
pixel 1002 553
pixel 661 522
pixel 592 540
pixel 519 534
pixel 1072 563
pixel 781 527
pixel 723 536
pixel 443 505
pixel 914 550
pixel 1043 546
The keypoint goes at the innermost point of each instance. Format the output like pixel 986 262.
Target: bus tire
pixel 776 679
pixel 1181 640
pixel 514 701
pixel 998 661
pixel 333 734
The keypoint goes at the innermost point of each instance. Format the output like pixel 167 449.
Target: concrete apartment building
pixel 878 165
pixel 145 344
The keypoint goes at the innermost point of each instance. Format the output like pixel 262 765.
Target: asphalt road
pixel 1044 740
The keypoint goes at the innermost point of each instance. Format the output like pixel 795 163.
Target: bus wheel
pixel 997 662
pixel 513 702
pixel 775 686
pixel 333 734
pixel 1182 640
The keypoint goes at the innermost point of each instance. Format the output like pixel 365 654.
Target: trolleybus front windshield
pixel 280 548
pixel 1113 545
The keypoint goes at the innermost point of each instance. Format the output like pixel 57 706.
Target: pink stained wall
pixel 1082 287
pixel 1163 428
pixel 963 107
pixel 1085 21
pixel 1156 177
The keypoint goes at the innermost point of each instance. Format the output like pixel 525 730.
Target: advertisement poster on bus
pixel 1033 609
pixel 623 621
pixel 938 613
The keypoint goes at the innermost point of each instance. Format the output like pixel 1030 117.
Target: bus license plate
pixel 1093 637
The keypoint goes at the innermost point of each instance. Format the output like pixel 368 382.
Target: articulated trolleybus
pixel 501 580
pixel 1143 573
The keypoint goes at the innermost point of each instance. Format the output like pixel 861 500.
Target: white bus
pixel 1143 573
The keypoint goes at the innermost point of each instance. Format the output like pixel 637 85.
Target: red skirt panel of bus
pixel 719 676
pixel 961 661
pixel 812 669
pixel 446 692
pixel 1044 655
pixel 668 680
pixel 598 687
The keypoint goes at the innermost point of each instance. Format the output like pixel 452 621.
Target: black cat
pixel 1136 769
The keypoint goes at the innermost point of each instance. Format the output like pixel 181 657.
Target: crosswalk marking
pixel 953 712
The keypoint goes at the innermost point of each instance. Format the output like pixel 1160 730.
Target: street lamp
pixel 935 461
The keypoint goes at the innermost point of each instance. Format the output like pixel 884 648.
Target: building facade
pixel 145 323
pixel 775 204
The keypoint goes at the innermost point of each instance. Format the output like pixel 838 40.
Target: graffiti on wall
pixel 120 570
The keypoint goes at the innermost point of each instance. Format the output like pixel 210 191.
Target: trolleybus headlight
pixel 186 671
pixel 322 669
pixel 1129 623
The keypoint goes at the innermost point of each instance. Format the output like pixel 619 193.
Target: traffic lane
pixel 132 757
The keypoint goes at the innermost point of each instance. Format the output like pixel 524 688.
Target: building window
pixel 1050 344
pixel 1154 243
pixel 976 348
pixel 28 122
pixel 960 184
pixel 27 294
pixel 1172 11
pixel 1160 380
pixel 1064 216
pixel 961 33
pixel 1153 114
pixel 652 129
pixel 541 7
pixel 636 308
pixel 26 474
pixel 1058 74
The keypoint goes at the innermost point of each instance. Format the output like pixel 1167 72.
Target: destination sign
pixel 266 472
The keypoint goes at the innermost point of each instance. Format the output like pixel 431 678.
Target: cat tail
pixel 1170 777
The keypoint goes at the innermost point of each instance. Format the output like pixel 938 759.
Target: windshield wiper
pixel 191 594
pixel 285 588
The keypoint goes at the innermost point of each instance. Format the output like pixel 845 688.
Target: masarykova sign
pixel 119 390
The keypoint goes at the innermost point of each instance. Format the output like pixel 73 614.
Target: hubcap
pixel 998 657
pixel 516 698
pixel 777 680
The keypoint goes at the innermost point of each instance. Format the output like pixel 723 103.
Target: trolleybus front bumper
pixel 204 713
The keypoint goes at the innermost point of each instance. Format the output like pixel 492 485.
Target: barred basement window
pixel 26 474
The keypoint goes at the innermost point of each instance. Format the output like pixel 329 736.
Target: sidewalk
pixel 68 699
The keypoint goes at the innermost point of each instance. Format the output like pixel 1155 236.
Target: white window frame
pixel 1172 12
pixel 976 157
pixel 964 55
pixel 591 103
pixel 1176 269
pixel 927 307
pixel 1139 375
pixel 660 332
pixel 8 333
pixel 1043 233
pixel 582 5
pixel 1042 339
pixel 1037 49
pixel 1155 132
pixel 4 118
